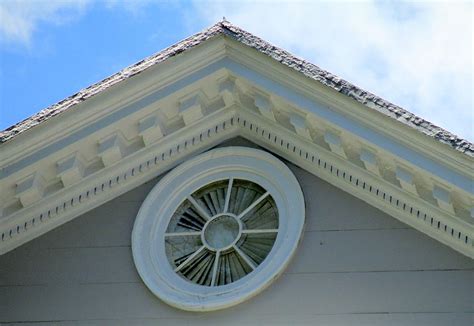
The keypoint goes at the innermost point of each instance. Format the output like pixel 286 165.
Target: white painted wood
pixel 299 124
pixel 160 205
pixel 150 129
pixel 30 189
pixel 161 87
pixel 355 266
pixel 334 142
pixel 228 90
pixel 137 166
pixel 405 178
pixel 191 108
pixel 264 106
pixel 370 161
pixel 111 149
pixel 443 197
pixel 70 169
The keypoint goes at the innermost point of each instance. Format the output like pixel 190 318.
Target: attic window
pixel 222 232
pixel 218 229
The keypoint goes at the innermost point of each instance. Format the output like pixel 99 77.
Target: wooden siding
pixel 355 266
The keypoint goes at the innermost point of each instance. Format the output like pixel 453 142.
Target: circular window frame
pixel 160 204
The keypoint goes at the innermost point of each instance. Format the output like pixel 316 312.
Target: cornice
pixel 333 168
pixel 207 106
pixel 58 208
pixel 344 105
pixel 277 55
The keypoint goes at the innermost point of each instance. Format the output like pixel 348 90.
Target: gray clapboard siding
pixel 393 319
pixel 373 250
pixel 319 293
pixel 324 202
pixel 355 265
pixel 320 252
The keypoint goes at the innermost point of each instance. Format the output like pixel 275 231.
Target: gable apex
pixel 216 85
pixel 308 69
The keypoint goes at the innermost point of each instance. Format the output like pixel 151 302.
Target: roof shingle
pixel 308 69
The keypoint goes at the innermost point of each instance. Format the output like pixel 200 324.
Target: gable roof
pixel 146 119
pixel 308 69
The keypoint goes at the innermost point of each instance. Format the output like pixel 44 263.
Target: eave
pixel 141 127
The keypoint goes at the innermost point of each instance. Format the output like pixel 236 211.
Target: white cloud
pixel 19 19
pixel 418 56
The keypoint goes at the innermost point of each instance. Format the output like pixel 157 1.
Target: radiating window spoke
pixel 210 246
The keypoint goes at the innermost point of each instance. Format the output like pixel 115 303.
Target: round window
pixel 218 229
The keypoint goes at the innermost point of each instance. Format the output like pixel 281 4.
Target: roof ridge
pixel 307 68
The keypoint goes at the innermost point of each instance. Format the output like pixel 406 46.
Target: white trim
pixel 156 93
pixel 98 188
pixel 345 105
pixel 157 209
pixel 30 222
pixel 439 224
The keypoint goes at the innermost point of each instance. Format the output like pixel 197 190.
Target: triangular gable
pixel 215 85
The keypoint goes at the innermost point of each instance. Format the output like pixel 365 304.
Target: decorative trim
pixel 405 178
pixel 342 113
pixel 379 193
pixel 332 110
pixel 58 208
pixel 111 149
pixel 70 169
pixel 370 161
pixel 335 143
pixel 30 189
pixel 443 198
pixel 81 175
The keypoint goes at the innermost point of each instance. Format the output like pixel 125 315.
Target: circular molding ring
pixel 218 229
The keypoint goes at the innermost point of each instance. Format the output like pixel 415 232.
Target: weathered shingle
pixel 308 69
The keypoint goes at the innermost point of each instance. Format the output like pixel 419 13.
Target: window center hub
pixel 221 232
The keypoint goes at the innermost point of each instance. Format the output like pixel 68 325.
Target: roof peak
pixel 284 57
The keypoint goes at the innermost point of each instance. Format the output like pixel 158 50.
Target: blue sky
pixel 416 54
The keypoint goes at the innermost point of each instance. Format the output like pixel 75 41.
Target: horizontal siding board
pixel 369 250
pixel 340 293
pixel 71 265
pixel 324 202
pixel 395 319
pixel 323 251
pixel 107 225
